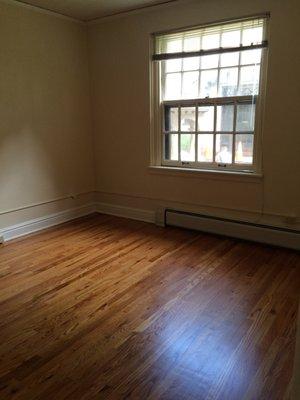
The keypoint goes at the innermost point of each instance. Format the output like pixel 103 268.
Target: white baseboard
pixel 238 229
pixel 126 212
pixel 37 224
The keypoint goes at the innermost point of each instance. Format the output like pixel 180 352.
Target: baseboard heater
pixel 239 229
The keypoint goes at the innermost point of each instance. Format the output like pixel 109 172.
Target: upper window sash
pixel 217 39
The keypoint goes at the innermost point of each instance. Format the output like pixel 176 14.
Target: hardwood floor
pixel 109 308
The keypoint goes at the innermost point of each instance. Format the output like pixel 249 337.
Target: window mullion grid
pixel 234 131
pixel 181 70
pixel 200 68
pixel 163 147
pixel 219 63
pixel 196 108
pixel 179 134
pixel 196 134
pixel 162 81
pixel 163 128
pixel 239 66
pixel 214 133
pixel 214 102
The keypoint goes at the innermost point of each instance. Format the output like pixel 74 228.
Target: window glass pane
pixel 211 41
pixel 187 147
pixel 244 149
pixel 229 59
pixel 210 61
pixel 174 46
pixel 171 119
pixel 173 86
pixel 190 63
pixel 228 82
pixel 226 35
pixel 188 119
pixel 252 35
pixel 171 146
pixel 249 80
pixel 191 44
pixel 224 148
pixel 190 85
pixel 231 39
pixel 206 118
pixel 208 86
pixel 205 147
pixel 245 117
pixel 225 118
pixel 251 56
pixel 173 65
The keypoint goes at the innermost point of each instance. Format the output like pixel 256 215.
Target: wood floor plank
pixel 109 308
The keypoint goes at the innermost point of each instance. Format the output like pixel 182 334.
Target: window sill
pixel 236 176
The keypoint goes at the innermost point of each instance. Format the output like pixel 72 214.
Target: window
pixel 208 91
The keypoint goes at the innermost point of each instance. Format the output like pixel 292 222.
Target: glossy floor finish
pixel 109 308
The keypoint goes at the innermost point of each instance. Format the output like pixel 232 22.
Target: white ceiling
pixel 87 10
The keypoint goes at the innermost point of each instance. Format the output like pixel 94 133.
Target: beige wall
pixel 45 121
pixel 119 51
pixel 47 148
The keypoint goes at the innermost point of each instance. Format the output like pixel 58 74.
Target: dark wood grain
pixel 109 308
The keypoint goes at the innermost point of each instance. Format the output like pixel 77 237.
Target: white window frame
pixel 157 119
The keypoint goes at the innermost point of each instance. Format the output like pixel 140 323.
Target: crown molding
pixel 139 10
pixel 42 10
pixel 93 21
